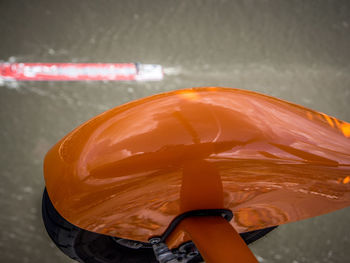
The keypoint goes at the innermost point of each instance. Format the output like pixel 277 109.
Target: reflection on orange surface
pixel 216 240
pixel 346 180
pixel 345 128
pixel 249 217
pixel 201 188
pixel 328 119
pixel 189 94
pixel 121 173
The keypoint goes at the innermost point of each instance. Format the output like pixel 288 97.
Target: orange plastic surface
pixel 201 187
pixel 217 241
pixel 121 173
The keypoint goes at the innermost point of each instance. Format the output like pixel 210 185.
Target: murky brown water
pixel 294 50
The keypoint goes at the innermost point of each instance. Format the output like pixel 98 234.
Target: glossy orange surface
pixel 201 187
pixel 217 240
pixel 121 173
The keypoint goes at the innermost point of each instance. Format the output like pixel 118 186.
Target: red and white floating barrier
pixel 80 72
